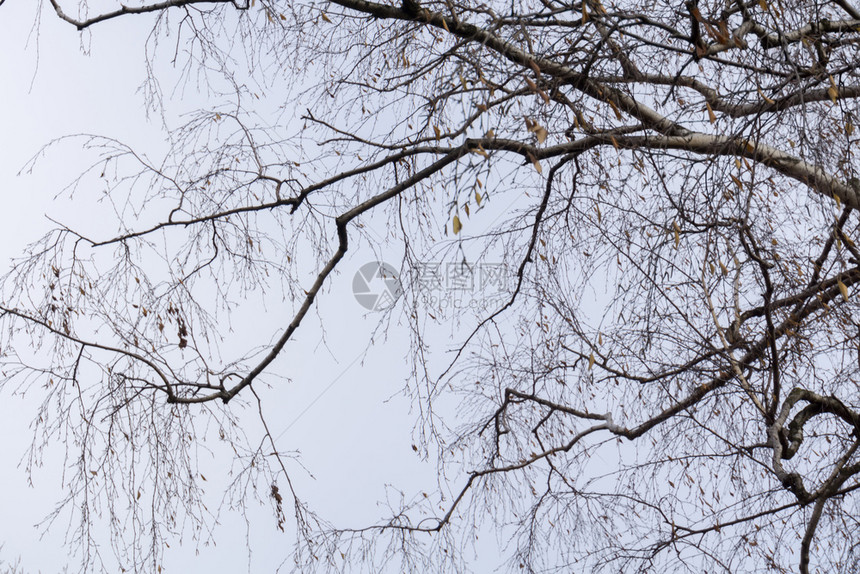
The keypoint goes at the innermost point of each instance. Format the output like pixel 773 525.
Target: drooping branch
pixel 145 9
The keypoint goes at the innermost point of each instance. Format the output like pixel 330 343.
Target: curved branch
pixel 126 10
pixel 343 244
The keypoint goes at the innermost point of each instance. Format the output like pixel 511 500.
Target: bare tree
pixel 682 250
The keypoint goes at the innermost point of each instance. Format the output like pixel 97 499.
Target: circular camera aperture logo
pixel 376 286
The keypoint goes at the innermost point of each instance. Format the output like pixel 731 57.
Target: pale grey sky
pixel 355 440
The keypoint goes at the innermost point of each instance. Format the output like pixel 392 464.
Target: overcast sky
pixel 340 410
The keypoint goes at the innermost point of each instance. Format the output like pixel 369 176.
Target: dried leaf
pixel 615 109
pixel 832 91
pixel 536 129
pixel 324 17
pixel 456 225
pixel 723 32
pixel 842 289
pixel 764 97
pixel 535 162
pixel 711 115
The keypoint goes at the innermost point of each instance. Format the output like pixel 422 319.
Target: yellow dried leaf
pixel 535 162
pixel 324 17
pixel 481 151
pixel 456 225
pixel 536 129
pixel 764 97
pixel 438 132
pixel 590 361
pixel 677 233
pixel 711 115
pixel 842 289
pixel 723 268
pixel 478 197
pixel 615 109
